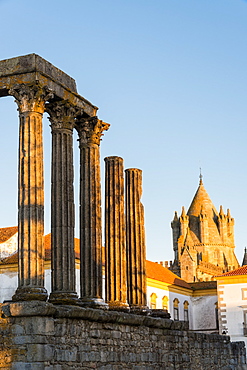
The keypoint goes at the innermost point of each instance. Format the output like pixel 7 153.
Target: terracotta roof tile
pixel 240 271
pixel 7 232
pixel 158 272
pixel 13 258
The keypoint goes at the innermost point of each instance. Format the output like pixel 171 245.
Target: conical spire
pixel 202 208
pixel 200 199
pixel 221 214
pixel 183 214
pixel 245 257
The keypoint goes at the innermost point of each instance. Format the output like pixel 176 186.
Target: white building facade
pixel 232 301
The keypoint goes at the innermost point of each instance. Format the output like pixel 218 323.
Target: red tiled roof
pixel 47 244
pixel 13 258
pixel 240 271
pixel 7 232
pixel 158 272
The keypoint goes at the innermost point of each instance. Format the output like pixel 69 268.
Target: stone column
pixel 90 131
pixel 62 118
pixel 31 101
pixel 115 243
pixel 135 242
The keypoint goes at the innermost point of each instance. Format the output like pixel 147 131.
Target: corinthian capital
pixel 62 114
pixel 31 98
pixel 91 129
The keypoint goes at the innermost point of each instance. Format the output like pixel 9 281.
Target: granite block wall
pixel 40 336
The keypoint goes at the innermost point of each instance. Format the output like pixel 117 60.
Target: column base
pixel 93 303
pixel 139 310
pixel 30 294
pixel 65 298
pixel 118 306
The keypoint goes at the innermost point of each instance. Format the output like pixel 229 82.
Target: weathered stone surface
pixel 33 82
pixel 32 69
pixel 66 341
pixel 135 242
pixel 31 102
pixel 34 63
pixel 32 308
pixel 115 241
pixel 212 231
pixel 90 132
pixel 62 117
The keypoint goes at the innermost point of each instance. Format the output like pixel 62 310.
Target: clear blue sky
pixel 170 78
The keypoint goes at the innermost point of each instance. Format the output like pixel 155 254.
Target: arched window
pixel 186 311
pixel 176 309
pixel 165 303
pixel 153 298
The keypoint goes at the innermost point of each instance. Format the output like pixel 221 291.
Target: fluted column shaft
pixel 115 243
pixel 90 130
pixel 62 117
pixel 30 100
pixel 135 241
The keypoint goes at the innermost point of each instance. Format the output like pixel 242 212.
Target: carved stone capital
pixel 90 130
pixel 31 98
pixel 62 114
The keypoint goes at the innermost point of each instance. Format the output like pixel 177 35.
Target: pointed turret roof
pixel 245 257
pixel 201 201
pixel 202 204
pixel 191 238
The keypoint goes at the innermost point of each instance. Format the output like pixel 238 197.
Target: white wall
pixel 9 283
pixel 232 302
pixel 9 247
pixel 204 314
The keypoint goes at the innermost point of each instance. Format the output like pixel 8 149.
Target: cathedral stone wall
pixel 40 336
pixel 203 240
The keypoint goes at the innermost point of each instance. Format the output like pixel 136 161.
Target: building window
pixel 186 311
pixel 165 303
pixel 217 315
pixel 176 309
pixel 245 324
pixel 244 293
pixel 153 298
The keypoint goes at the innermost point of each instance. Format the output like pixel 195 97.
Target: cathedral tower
pixel 203 240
